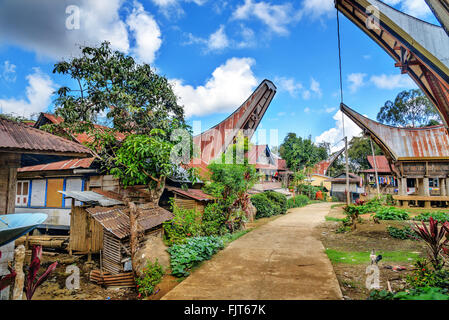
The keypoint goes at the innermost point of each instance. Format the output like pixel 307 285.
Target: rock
pixel 153 248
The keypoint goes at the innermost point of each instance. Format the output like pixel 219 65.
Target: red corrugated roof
pixel 60 165
pixel 15 136
pixel 81 137
pixel 381 163
pixel 196 194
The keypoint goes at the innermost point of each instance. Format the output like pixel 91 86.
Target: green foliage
pixel 214 220
pixel 425 293
pixel 186 223
pixel 265 206
pixel 436 215
pixel 300 153
pixel 404 234
pixel 391 213
pixel 309 190
pixel 184 257
pixel 358 150
pixel 279 199
pixel 151 275
pixel 298 201
pixel 133 102
pixel 380 295
pixel 410 108
pixel 229 185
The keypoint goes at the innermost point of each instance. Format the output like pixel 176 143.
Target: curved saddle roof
pixel 427 143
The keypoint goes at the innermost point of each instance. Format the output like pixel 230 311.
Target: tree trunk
pixel 134 236
pixel 19 257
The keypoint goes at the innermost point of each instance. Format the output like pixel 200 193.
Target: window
pixel 22 193
pixel 38 193
pixel 433 182
pixel 73 184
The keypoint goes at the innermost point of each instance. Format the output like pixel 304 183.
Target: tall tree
pixel 139 107
pixel 359 148
pixel 410 109
pixel 300 153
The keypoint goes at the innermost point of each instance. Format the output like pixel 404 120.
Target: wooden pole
pixel 375 166
pixel 348 199
pixel 19 257
pixel 133 241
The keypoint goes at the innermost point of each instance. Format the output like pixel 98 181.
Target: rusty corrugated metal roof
pixel 116 219
pixel 196 194
pixel 15 136
pixel 60 165
pixel 404 143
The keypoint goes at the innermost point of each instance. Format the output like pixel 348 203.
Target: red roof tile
pixel 196 194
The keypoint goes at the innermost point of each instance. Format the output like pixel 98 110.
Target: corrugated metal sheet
pixel 21 137
pixel 322 166
pixel 116 220
pixel 381 164
pixel 196 194
pixel 404 143
pixel 91 197
pixel 60 165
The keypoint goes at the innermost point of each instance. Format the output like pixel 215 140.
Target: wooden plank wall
pixel 86 234
pixel 189 204
pixel 113 253
pixel 9 162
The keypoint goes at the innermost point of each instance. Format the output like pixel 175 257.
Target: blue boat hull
pixel 13 226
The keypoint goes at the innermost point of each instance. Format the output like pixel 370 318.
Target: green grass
pixel 228 238
pixel 333 219
pixel 362 257
pixel 338 205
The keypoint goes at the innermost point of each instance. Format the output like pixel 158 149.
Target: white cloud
pixel 9 71
pixel 146 33
pixel 315 87
pixel 42 27
pixel 288 84
pixel 330 109
pixel 356 81
pixel 391 82
pixel 306 110
pixel 218 40
pixel 275 16
pixel 318 8
pixel 306 94
pixel 281 114
pixel 230 85
pixel 38 96
pixel 335 135
pixel 417 8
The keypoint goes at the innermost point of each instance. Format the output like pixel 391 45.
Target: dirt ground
pixel 55 288
pixel 367 236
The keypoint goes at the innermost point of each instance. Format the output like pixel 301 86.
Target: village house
pixel 421 167
pixel 338 187
pixel 387 180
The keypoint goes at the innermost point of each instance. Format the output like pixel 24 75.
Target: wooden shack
pixel 116 253
pixel 188 198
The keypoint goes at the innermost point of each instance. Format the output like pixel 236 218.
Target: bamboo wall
pixel 86 234
pixel 9 162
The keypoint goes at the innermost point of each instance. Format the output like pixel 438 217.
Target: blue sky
pixel 214 52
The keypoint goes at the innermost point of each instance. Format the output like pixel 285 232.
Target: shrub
pixel 214 219
pixel 391 213
pixel 425 293
pixel 436 215
pixel 265 207
pixel 398 233
pixel 151 276
pixel 424 276
pixel 279 199
pixel 298 201
pixel 433 237
pixel 186 223
pixel 185 256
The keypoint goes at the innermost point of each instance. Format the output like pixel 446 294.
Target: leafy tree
pixel 300 153
pixel 230 183
pixel 410 108
pixel 139 107
pixel 359 148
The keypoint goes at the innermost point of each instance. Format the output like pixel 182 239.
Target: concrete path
pixel 280 260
